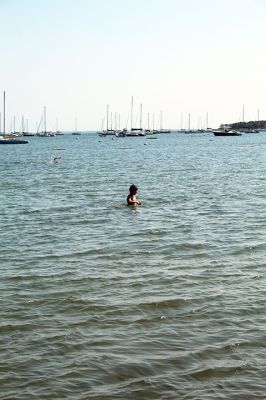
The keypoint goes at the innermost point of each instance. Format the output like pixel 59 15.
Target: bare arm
pixel 131 200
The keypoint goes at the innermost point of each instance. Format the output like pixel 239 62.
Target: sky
pixel 179 56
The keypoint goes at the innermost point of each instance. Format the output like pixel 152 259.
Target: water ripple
pixel 104 301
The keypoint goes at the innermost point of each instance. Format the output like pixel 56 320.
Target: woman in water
pixel 131 198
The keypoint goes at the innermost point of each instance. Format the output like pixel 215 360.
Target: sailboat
pixel 5 138
pixel 154 131
pixel 44 132
pixel 136 131
pixel 147 130
pixel 13 134
pixel 161 125
pixel 26 131
pixel 57 132
pixel 108 131
pixel 181 130
pixel 189 130
pixel 76 131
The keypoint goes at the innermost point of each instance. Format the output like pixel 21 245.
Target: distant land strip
pixel 250 125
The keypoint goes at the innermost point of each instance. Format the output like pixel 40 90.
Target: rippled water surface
pixel 104 301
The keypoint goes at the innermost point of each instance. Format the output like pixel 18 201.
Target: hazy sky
pixel 179 56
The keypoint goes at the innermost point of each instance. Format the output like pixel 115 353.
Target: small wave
pixel 219 369
pixel 162 304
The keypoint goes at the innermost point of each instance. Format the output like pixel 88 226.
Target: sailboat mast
pixel 44 118
pixel 243 111
pixel 161 120
pixel 207 120
pixel 131 112
pixel 4 114
pixel 107 115
pixel 148 121
pixel 153 122
pixel 181 121
pixel 140 116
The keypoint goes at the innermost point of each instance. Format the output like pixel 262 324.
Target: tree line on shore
pixel 246 125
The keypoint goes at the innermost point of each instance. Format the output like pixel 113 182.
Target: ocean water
pixel 103 301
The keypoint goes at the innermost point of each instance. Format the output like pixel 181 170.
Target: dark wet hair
pixel 133 188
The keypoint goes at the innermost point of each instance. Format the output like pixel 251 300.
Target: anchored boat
pixel 5 138
pixel 225 132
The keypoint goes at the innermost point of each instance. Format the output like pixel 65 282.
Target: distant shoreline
pixel 250 125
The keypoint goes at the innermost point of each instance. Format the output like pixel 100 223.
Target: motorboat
pixel 225 132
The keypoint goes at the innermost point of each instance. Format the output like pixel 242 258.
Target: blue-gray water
pixel 103 301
